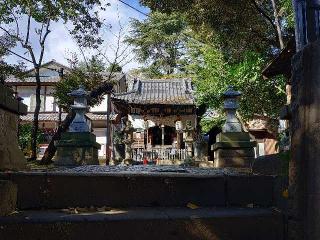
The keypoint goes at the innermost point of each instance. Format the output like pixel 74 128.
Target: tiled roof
pixel 44 117
pixel 159 91
pixel 44 79
pixel 54 117
pixel 100 116
pixel 55 79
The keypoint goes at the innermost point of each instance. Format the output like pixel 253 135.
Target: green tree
pixel 25 137
pixel 5 68
pixel 114 67
pixel 159 42
pixel 23 21
pixel 88 74
pixel 213 74
pixel 239 25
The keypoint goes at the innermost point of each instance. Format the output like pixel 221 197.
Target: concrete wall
pixel 64 190
pixel 101 139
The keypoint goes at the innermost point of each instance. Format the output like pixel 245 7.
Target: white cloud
pixel 59 43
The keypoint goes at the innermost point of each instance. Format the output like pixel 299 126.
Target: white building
pixel 49 111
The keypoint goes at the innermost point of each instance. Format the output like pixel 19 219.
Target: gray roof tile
pixel 159 91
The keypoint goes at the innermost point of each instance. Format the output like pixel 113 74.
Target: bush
pixel 25 138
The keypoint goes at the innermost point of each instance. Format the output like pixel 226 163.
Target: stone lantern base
pixel 77 148
pixel 234 149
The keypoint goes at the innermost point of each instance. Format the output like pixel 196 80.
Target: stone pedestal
pixel 304 169
pixel 11 157
pixel 77 148
pixel 233 149
pixel 200 150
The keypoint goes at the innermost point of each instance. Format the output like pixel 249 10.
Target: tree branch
pixel 28 30
pixel 264 14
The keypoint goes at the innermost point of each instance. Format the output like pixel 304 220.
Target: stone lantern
pixel 78 146
pixel 188 138
pixel 80 107
pixel 233 147
pixel 231 105
pixel 128 132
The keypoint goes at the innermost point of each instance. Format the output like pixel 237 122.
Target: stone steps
pixel 145 223
pixel 50 190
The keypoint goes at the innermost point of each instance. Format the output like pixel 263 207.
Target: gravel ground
pixel 145 169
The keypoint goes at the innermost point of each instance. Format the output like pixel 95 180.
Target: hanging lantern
pixel 179 126
pixel 145 124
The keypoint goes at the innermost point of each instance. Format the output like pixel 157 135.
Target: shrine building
pixel 159 110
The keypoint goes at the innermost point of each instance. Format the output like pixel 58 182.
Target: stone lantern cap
pixel 80 92
pixel 230 97
pixel 231 93
pixel 80 98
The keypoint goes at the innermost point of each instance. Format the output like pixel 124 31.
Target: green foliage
pixel 213 74
pixel 118 137
pixel 81 14
pixel 208 123
pixel 25 137
pixel 114 67
pixel 159 42
pixel 5 68
pixel 89 74
pixel 287 13
pixel 238 25
pixel 260 96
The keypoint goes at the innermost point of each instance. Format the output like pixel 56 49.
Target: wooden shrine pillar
pixel 162 135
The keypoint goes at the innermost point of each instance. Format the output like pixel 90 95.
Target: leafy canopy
pixel 214 74
pixel 89 74
pixel 159 42
pixel 238 25
pixel 82 14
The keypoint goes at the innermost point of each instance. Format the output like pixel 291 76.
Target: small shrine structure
pixel 159 111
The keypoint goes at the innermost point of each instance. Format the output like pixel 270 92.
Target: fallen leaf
pixel 192 206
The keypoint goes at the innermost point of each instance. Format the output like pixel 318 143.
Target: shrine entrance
pixel 158 135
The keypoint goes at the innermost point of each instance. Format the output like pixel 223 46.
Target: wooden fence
pixel 139 154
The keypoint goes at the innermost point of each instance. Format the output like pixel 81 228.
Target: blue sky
pixel 60 44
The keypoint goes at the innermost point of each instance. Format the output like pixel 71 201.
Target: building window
pixel 32 106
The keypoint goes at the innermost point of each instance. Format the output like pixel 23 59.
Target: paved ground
pixel 86 214
pixel 146 224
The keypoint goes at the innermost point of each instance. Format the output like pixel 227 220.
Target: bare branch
pixel 46 33
pixel 43 41
pixel 18 55
pixel 28 30
pixel 10 34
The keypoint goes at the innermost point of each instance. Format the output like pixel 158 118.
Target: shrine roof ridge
pixel 159 91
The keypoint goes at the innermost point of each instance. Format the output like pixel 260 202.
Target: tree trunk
pixel 277 23
pixel 51 150
pixel 108 131
pixel 35 126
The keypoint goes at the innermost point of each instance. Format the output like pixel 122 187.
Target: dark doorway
pixel 155 133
